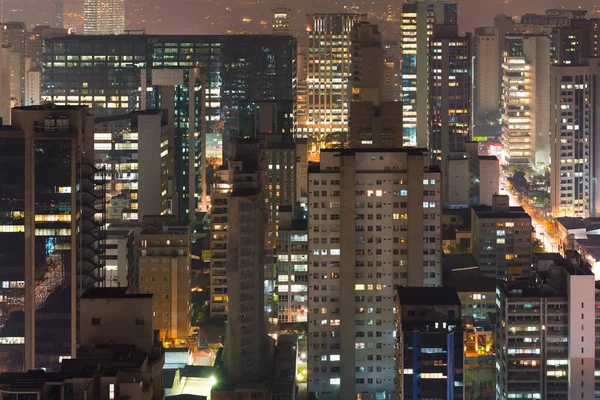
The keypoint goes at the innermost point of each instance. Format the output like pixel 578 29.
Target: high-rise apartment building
pixel 292 268
pixel 377 210
pixel 574 146
pixel 237 68
pixel 5 98
pixel 525 100
pixel 282 20
pixel 14 36
pixel 449 93
pixel 374 121
pixel 136 152
pixel 545 333
pixel 329 78
pixel 164 271
pixel 429 348
pixel 486 73
pixel 418 18
pixel 58 9
pixel 33 61
pixel 501 239
pixel 238 259
pixel 103 17
pixel 49 243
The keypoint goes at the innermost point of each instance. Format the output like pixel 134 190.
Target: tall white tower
pixel 103 17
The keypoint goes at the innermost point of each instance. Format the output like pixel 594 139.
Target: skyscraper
pixel 449 93
pixel 103 17
pixel 239 230
pixel 574 144
pixel 329 78
pixel 49 241
pixel 375 120
pixel 525 101
pixel 501 239
pixel 164 271
pixel 418 18
pixel 377 212
pixel 282 20
pixel 546 332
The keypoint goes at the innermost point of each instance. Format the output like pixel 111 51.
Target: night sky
pixel 225 16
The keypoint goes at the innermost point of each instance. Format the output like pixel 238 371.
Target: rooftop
pixel 485 211
pixel 112 293
pixel 588 224
pixel 427 296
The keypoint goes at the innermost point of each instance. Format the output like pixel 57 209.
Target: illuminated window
pixel 111 391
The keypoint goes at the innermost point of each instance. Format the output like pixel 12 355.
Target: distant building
pixel 104 17
pixel 418 19
pixel 238 231
pixel 282 20
pixel 574 145
pixel 375 121
pixel 429 346
pixel 501 239
pixel 525 100
pixel 136 151
pixel 449 120
pixel 477 293
pixel 164 271
pixel 329 62
pixel 46 176
pixel 545 335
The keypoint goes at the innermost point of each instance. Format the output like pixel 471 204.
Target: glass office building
pixel 104 72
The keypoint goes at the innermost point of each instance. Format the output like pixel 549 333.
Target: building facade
pixel 104 17
pixel 292 269
pixel 329 78
pixel 385 221
pixel 449 93
pixel 525 109
pixel 239 257
pixel 573 144
pixel 126 144
pixel 44 169
pixel 375 120
pixel 501 239
pixel 164 271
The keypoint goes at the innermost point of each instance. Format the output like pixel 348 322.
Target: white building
pixel 574 145
pixel 375 212
pixel 103 17
pixel 418 18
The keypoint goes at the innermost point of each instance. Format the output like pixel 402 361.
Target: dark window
pixel 96 321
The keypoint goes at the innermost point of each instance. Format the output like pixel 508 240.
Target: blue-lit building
pixel 429 344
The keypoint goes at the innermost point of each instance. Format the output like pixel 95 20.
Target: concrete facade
pixel 379 211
